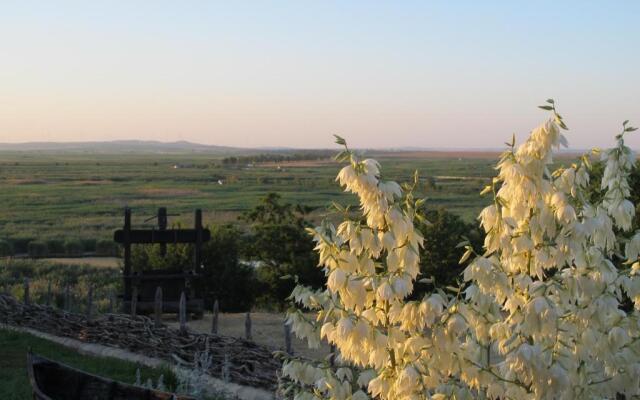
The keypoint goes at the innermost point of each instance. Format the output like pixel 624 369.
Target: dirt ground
pixel 267 329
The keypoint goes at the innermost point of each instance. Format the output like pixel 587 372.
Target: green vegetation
pixel 14 384
pixel 42 275
pixel 59 197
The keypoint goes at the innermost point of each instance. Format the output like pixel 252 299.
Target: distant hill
pixel 121 146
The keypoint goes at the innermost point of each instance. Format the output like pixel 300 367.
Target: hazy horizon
pixel 291 74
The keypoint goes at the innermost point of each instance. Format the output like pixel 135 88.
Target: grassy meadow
pixel 49 195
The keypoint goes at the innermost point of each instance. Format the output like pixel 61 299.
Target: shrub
pixel 279 242
pixel 73 247
pixel 89 245
pixel 21 245
pixel 107 248
pixel 37 249
pixel 55 246
pixel 542 313
pixel 6 248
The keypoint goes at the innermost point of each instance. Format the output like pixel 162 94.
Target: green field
pixel 76 195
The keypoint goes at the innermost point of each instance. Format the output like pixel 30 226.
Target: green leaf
pixel 630 129
pixel 548 108
pixel 466 255
pixel 626 121
pixel 550 101
pixel 340 140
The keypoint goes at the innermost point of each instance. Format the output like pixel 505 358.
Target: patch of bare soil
pixel 267 329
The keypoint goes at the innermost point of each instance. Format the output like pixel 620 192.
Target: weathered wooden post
pixel 26 291
pixel 67 298
pixel 89 302
pixel 247 326
pixel 287 339
pixel 157 307
pixel 111 303
pixel 182 310
pixel 47 300
pixel 214 318
pixel 134 301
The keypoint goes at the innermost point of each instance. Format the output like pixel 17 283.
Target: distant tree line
pixel 278 157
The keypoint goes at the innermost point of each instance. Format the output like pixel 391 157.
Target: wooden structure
pixel 51 380
pixel 172 281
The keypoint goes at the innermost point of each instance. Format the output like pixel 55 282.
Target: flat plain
pixel 57 195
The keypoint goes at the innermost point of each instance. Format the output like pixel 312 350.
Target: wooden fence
pixel 72 302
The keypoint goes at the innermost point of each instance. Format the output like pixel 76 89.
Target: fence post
pixel 214 318
pixel 26 291
pixel 89 302
pixel 182 311
pixel 157 307
pixel 287 339
pixel 247 326
pixel 67 298
pixel 134 301
pixel 48 298
pixel 111 303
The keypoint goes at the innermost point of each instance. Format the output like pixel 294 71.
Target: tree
pixel 224 277
pixel 440 255
pixel 279 242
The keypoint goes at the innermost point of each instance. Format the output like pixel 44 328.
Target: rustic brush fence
pixel 233 359
pixel 95 302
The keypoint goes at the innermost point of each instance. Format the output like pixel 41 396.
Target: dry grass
pixel 267 329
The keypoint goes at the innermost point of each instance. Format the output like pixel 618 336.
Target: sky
pixel 433 74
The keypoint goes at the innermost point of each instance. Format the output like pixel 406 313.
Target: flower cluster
pixel 544 304
pixel 541 314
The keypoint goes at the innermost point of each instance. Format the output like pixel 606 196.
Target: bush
pixel 89 245
pixel 279 241
pixel 225 278
pixel 73 247
pixel 21 245
pixel 440 256
pixel 55 246
pixel 37 249
pixel 6 249
pixel 107 248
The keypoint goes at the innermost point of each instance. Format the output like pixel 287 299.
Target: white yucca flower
pixel 541 315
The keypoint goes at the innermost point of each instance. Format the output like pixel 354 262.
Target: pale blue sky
pixel 293 73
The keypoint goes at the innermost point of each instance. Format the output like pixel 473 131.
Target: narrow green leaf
pixel 466 255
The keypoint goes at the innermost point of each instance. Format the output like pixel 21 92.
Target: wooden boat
pixel 51 380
